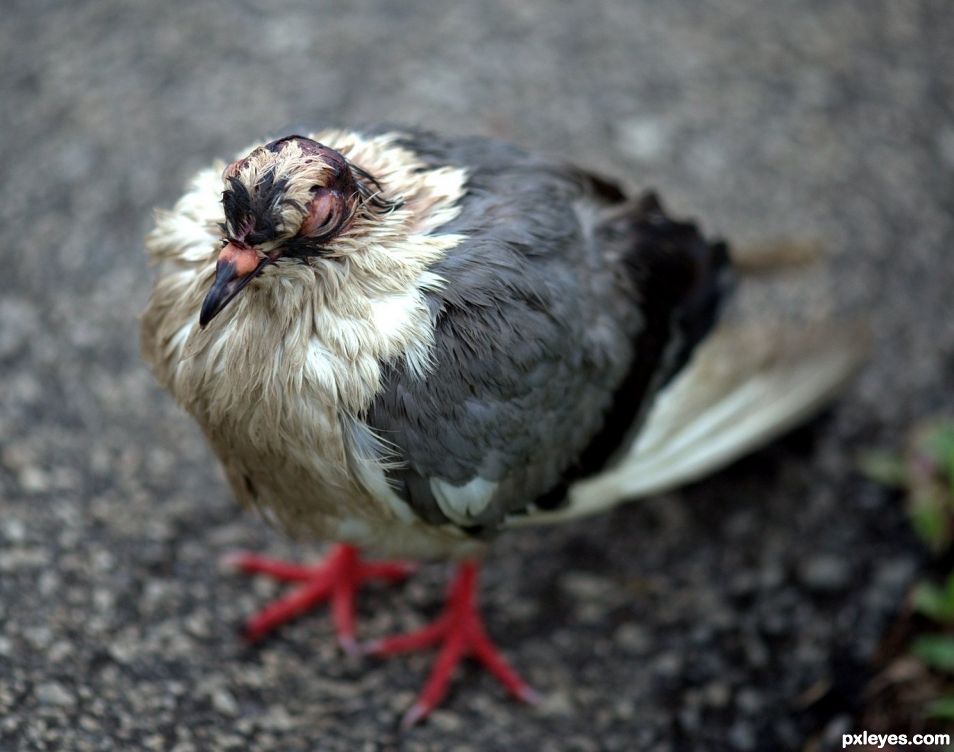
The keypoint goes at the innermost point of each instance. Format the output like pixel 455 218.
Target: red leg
pixel 336 580
pixel 460 632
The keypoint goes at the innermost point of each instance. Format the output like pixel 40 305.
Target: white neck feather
pixel 322 326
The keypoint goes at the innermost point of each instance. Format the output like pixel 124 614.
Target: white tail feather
pixel 743 388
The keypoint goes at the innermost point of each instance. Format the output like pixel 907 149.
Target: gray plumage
pixel 536 330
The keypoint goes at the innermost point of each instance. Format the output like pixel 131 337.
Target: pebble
pixel 13 530
pixel 668 664
pixel 19 324
pixel 742 736
pixel 643 138
pixel 33 480
pixel 717 694
pixel 825 573
pixel 749 701
pixel 632 638
pixel 224 702
pixel 54 693
pixel 557 702
pixel 583 586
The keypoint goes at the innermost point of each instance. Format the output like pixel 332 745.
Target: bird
pixel 403 344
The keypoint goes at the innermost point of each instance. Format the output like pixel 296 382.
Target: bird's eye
pixel 325 214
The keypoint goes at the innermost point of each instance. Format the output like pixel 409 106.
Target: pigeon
pixel 405 344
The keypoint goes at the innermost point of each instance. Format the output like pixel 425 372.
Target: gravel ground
pixel 739 614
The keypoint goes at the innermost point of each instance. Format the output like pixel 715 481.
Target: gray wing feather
pixel 533 332
pixel 744 388
pixel 553 330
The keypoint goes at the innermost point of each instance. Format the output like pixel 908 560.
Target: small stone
pixel 832 733
pixel 644 138
pixel 756 654
pixel 632 638
pixel 122 650
pixel 401 701
pixel 23 558
pixel 89 724
pixel 278 719
pixel 584 587
pixel 771 576
pixel 825 573
pixel 717 694
pixel 65 479
pixel 103 561
pixel 33 479
pixel 48 583
pixel 556 703
pixel 103 600
pixel 224 702
pixel 741 736
pixel 198 625
pixel 54 693
pixel 14 531
pixel 668 665
pixel 59 651
pixel 19 322
pixel 690 719
pixel 10 724
pixel 445 721
pixel 39 637
pixel 749 701
pixel 895 574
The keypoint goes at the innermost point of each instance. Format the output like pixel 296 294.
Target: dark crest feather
pixel 255 216
pixel 258 215
pixel 372 198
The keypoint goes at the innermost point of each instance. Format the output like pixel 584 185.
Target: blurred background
pixel 768 608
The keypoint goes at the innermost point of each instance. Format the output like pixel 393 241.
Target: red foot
pixel 460 631
pixel 336 579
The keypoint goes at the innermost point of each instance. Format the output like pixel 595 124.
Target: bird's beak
pixel 236 267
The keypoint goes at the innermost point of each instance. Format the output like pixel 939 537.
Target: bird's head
pixel 290 198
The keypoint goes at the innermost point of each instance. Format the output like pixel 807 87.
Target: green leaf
pixel 931 524
pixel 943 707
pixel 935 602
pixel 937 651
pixel 884 468
pixel 949 587
pixel 939 443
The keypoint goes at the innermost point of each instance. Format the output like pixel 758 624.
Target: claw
pixel 336 579
pixel 460 632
